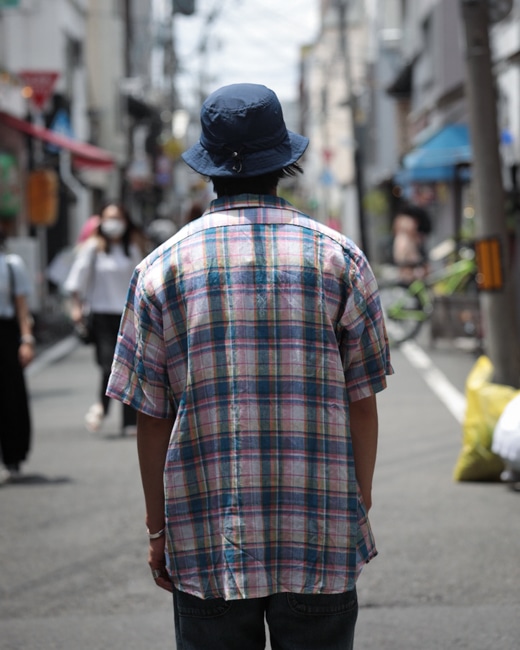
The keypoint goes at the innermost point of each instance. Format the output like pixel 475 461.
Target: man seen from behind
pixel 252 347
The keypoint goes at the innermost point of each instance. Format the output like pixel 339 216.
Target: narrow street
pixel 73 543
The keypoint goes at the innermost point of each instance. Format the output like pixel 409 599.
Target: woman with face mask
pixel 98 281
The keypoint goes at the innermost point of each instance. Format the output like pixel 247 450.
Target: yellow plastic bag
pixel 485 402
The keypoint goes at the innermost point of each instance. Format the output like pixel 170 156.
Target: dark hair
pixel 130 228
pixel 264 184
pixel 194 212
pixel 420 215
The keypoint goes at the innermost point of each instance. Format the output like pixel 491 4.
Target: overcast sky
pixel 254 41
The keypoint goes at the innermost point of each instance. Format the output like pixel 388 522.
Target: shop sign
pixel 42 197
pixel 9 4
pixel 60 124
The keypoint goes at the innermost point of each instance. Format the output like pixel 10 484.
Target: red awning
pixel 84 155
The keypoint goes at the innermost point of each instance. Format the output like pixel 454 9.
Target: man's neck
pixel 273 192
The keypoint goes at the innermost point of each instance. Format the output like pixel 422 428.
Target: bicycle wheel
pixel 404 314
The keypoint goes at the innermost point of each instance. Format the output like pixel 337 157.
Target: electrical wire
pixel 239 40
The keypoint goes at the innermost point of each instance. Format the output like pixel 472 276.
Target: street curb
pixel 52 355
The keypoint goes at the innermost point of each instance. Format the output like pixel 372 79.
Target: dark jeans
pixel 106 328
pixel 296 622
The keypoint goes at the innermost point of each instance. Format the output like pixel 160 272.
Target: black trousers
pixel 106 328
pixel 15 421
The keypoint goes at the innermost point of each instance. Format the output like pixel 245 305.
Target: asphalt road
pixel 73 546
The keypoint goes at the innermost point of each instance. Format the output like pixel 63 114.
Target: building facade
pixel 333 70
pixel 86 98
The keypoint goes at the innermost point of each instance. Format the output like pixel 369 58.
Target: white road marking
pixel 452 398
pixel 51 355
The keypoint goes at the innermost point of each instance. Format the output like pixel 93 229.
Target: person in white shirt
pixel 99 278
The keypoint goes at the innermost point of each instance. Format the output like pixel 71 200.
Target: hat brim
pixel 249 164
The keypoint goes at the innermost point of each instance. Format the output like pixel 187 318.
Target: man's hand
pixel 153 436
pixel 157 563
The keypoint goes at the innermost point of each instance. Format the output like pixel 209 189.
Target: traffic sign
pixel 42 84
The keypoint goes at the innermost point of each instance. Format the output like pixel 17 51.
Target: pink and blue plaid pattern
pixel 255 326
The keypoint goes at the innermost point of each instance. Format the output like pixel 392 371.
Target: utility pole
pixel 497 306
pixel 353 105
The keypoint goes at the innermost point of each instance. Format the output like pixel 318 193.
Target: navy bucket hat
pixel 243 134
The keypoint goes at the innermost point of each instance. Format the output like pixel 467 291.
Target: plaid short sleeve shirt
pixel 255 327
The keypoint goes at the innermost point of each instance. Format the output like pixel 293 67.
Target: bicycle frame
pixel 445 282
pixel 408 306
pixel 400 309
pixel 453 278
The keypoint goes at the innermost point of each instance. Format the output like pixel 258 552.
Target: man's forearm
pixel 153 436
pixel 364 431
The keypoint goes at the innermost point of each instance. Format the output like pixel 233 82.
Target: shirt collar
pixel 244 201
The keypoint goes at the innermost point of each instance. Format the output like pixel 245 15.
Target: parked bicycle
pixel 408 305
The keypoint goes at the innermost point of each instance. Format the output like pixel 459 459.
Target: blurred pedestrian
pixel 16 352
pixel 98 282
pixel 59 268
pixel 253 345
pixel 410 228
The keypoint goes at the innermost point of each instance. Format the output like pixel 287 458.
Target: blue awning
pixel 438 158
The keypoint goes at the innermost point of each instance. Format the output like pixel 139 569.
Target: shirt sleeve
pixel 139 374
pixel 364 342
pixel 22 285
pixel 78 278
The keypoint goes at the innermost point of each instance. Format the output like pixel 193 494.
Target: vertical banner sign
pixel 490 276
pixel 42 197
pixel 42 84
